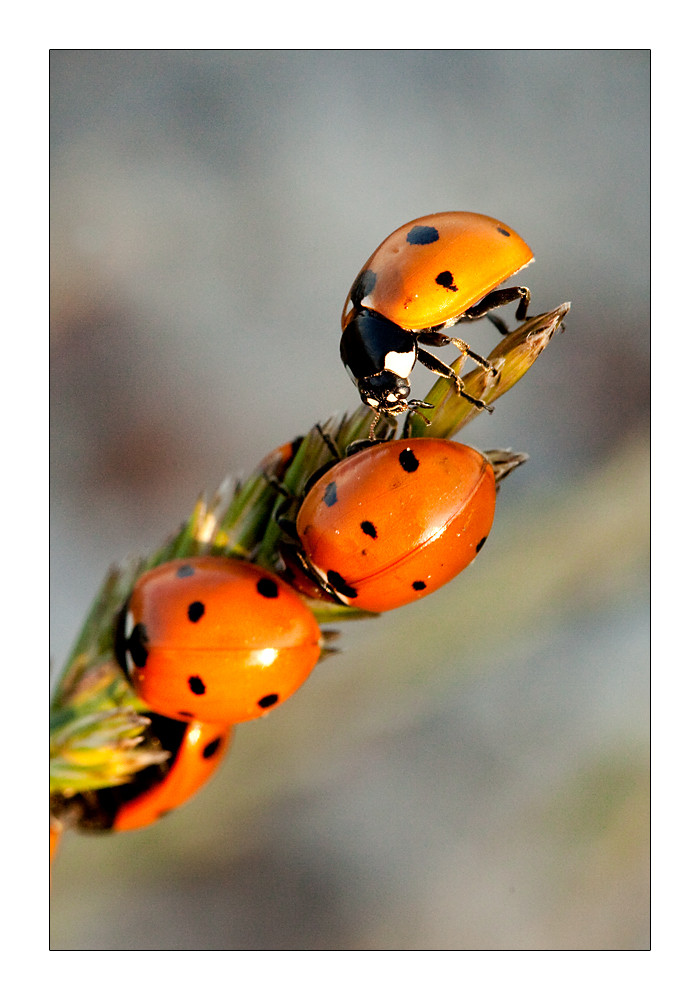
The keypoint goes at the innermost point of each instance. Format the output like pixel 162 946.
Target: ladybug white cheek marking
pixel 128 627
pixel 400 363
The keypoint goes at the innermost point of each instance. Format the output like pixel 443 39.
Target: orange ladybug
pixel 430 274
pixel 393 523
pixel 196 750
pixel 216 639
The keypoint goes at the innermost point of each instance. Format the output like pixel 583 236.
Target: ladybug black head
pixel 386 391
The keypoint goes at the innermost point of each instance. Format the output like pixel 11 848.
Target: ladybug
pixel 196 750
pixel 276 462
pixel 215 639
pixel 393 523
pixel 431 273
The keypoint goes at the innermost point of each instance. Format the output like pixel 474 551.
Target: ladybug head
pixel 379 356
pixel 386 392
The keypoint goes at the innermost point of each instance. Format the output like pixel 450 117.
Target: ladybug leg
pixel 468 353
pixel 287 524
pixel 329 442
pixel 416 406
pixel 440 368
pixel 496 299
pixel 283 511
pixel 305 566
pixel 277 485
pixel 363 443
pixel 438 338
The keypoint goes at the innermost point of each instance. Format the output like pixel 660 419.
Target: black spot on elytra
pixel 369 529
pixel 422 235
pixel 211 748
pixel 195 611
pixel 481 544
pixel 196 685
pixel 446 280
pixel 137 644
pixel 330 494
pixel 186 570
pixel 503 232
pixel 186 715
pixel 408 460
pixel 419 585
pixel 363 285
pixel 267 587
pixel 340 584
pixel 268 701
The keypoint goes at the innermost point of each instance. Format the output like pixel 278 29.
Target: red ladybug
pixel 216 639
pixel 430 274
pixel 196 750
pixel 392 523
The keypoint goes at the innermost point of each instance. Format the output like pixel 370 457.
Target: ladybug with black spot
pixel 428 275
pixel 195 751
pixel 216 639
pixel 392 523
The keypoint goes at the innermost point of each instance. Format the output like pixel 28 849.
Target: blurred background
pixel 472 771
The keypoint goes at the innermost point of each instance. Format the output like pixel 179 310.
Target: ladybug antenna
pixel 375 421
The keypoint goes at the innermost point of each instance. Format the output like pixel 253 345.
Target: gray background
pixel 472 771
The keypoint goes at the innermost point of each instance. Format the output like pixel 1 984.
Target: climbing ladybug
pixel 394 522
pixel 216 639
pixel 427 276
